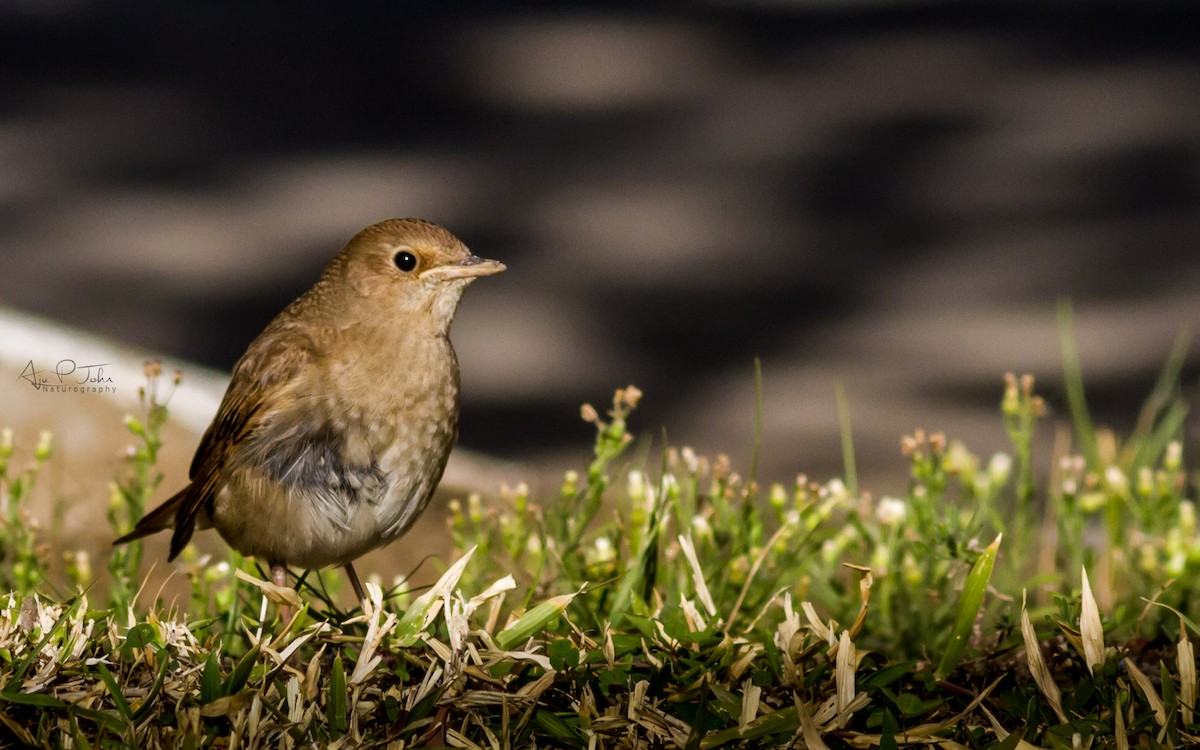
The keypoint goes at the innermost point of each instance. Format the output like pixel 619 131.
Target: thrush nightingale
pixel 339 418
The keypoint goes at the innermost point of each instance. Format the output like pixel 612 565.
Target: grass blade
pixel 1085 431
pixel 848 462
pixel 115 691
pixel 968 607
pixel 421 613
pixel 1162 405
pixel 210 679
pixel 241 673
pixel 758 419
pixel 533 621
pixel 148 703
pixel 336 710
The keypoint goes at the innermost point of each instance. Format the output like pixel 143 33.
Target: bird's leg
pixel 279 577
pixel 358 589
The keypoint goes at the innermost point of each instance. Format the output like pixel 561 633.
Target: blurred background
pixel 890 195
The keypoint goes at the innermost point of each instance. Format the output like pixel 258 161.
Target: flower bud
pixel 1187 518
pixel 589 414
pixel 1011 403
pixel 521 498
pixel 570 483
pixel 777 497
pixel 1173 458
pixel 45 446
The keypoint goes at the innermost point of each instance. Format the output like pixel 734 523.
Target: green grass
pixel 668 602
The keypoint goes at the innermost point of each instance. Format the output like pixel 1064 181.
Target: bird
pixel 339 418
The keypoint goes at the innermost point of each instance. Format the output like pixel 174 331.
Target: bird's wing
pixel 269 366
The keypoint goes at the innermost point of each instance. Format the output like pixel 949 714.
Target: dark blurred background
pixel 890 195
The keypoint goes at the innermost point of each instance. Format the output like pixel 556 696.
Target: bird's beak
pixel 468 268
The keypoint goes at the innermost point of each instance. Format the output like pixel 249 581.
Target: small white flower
pixel 533 545
pixel 1174 456
pixel 44 445
pixel 778 496
pixel 1187 517
pixel 689 459
pixel 999 468
pixel 1116 480
pixel 604 549
pixel 669 483
pixel 1176 564
pixel 637 483
pixel 891 511
pixel 881 560
pixel 1145 481
pixel 829 551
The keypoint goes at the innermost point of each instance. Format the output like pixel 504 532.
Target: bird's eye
pixel 405 261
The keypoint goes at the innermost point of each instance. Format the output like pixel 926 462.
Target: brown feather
pixel 159 519
pixel 267 365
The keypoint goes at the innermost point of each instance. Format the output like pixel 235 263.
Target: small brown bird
pixel 340 416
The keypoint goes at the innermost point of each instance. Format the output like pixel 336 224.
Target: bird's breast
pixel 351 463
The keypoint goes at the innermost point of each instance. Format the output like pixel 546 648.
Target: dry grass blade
pixel 864 595
pixel 751 694
pixel 808 727
pixel 534 690
pixel 1091 632
pixel 1037 665
pixel 422 612
pixel 1147 690
pixel 380 626
pixel 843 677
pixel 1120 736
pixel 1186 658
pixel 505 584
pixel 280 596
pixel 823 631
pixel 702 593
pixel 754 568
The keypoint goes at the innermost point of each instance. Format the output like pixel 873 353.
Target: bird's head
pixel 409 266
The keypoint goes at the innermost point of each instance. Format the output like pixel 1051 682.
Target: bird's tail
pixel 159 519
